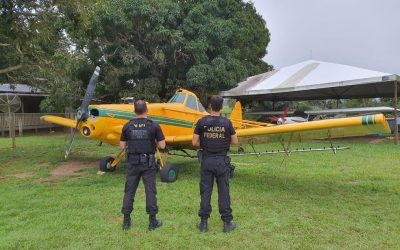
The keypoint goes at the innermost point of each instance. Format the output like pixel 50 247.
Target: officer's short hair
pixel 216 103
pixel 140 107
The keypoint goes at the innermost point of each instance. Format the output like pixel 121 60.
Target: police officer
pixel 140 137
pixel 214 134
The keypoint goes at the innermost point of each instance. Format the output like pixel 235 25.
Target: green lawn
pixel 316 201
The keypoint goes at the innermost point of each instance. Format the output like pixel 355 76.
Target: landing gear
pixel 169 173
pixel 105 164
pixel 109 164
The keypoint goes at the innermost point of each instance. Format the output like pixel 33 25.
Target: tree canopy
pixel 146 48
pixel 150 48
pixel 36 49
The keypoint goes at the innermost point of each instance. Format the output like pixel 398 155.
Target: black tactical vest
pixel 141 138
pixel 215 137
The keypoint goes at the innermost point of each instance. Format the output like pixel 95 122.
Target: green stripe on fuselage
pixel 364 120
pixel 370 120
pixel 128 116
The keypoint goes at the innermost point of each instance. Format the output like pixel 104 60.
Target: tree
pixel 146 48
pixel 149 48
pixel 27 39
pixel 37 50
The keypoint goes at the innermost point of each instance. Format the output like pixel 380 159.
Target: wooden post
pixel 20 125
pixel 11 127
pixel 396 124
pixel 2 124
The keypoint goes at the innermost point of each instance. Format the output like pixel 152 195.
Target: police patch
pixel 139 135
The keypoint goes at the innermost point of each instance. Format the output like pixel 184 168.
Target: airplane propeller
pixel 81 114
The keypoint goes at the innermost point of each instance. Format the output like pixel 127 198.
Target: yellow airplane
pixel 178 118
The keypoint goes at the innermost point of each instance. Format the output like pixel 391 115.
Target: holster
pixel 227 160
pixel 152 161
pixel 142 159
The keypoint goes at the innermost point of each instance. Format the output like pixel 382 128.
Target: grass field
pixel 316 201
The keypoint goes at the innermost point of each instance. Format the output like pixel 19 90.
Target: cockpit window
pixel 177 98
pixel 201 108
pixel 191 102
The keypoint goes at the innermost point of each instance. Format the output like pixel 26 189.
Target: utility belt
pixel 214 154
pixel 142 159
pixel 202 154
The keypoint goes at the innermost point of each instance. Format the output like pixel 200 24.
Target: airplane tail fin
pixel 236 115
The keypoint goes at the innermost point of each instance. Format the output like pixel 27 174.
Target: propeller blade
pixel 81 114
pixel 71 141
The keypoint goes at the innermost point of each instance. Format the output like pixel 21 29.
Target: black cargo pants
pixel 217 167
pixel 148 175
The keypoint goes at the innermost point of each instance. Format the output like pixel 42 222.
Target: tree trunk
pixel 9 69
pixel 163 81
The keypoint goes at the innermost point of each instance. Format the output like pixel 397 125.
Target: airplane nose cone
pixel 86 131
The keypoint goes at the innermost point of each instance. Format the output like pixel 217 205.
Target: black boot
pixel 202 226
pixel 154 223
pixel 229 226
pixel 127 222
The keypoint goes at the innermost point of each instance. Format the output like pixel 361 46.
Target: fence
pixel 27 121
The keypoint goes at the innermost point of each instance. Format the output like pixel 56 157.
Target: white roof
pixel 312 75
pixel 21 90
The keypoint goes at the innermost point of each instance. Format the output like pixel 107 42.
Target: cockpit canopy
pixel 188 99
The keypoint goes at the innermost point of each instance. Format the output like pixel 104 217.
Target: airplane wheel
pixel 105 164
pixel 241 150
pixel 169 173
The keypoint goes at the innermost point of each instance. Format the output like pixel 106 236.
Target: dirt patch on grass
pixel 379 140
pixel 112 219
pixel 71 169
pixel 23 175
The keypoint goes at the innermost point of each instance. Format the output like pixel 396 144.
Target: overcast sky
pixel 363 33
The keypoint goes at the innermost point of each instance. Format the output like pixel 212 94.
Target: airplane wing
pixel 332 128
pixel 65 122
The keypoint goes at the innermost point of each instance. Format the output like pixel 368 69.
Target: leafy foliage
pixel 150 48
pixel 37 50
pixel 146 48
pixel 27 39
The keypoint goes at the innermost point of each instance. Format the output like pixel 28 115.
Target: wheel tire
pixel 105 164
pixel 241 150
pixel 169 173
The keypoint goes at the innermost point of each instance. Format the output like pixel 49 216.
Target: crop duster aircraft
pixel 178 118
